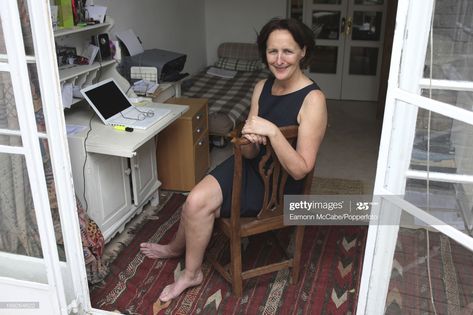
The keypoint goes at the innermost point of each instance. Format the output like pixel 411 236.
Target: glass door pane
pixel 296 7
pixel 431 272
pixel 327 19
pixel 18 226
pixel 450 143
pixel 363 51
pixel 363 60
pixel 326 24
pixel 369 2
pixel 366 25
pixel 453 49
pixel 325 60
pixel 327 1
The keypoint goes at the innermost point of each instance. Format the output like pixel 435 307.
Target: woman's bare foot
pixel 184 281
pixel 155 251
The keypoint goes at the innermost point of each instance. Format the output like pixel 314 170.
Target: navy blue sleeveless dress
pixel 282 110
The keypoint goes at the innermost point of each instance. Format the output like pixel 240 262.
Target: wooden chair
pixel 270 217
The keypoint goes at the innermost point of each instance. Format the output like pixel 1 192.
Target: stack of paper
pixel 143 87
pixel 90 53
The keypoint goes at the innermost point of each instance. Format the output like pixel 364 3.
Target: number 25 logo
pixel 362 206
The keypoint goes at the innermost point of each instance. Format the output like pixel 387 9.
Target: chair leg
pixel 235 252
pixel 297 253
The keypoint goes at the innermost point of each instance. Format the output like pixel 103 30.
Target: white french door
pixel 349 42
pixel 36 275
pixel 424 180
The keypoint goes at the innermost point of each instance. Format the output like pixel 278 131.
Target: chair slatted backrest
pixel 273 174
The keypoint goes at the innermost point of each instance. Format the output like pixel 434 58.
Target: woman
pixel 287 98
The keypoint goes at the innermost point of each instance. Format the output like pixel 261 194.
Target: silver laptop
pixel 114 108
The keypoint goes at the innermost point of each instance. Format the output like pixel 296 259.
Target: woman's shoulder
pixel 316 96
pixel 314 107
pixel 314 99
pixel 260 85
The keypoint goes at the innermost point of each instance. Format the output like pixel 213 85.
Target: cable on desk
pixel 85 161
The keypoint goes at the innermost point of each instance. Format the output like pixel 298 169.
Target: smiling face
pixel 283 54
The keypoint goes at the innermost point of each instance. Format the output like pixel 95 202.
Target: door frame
pixel 348 89
pixel 335 86
pixel 405 83
pixel 61 287
pixel 331 82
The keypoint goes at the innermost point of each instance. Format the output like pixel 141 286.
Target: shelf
pixel 78 29
pixel 73 72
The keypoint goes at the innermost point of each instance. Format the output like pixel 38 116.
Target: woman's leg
pixel 174 249
pixel 198 215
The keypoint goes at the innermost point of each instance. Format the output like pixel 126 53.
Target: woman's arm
pixel 312 120
pixel 251 150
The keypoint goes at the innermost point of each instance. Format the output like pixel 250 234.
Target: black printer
pixel 169 64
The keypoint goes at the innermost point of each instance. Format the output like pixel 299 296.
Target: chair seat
pixel 250 226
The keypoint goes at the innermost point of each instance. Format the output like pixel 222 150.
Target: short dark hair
pixel 301 33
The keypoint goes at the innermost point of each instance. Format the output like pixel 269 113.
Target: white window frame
pixel 15 62
pixel 402 102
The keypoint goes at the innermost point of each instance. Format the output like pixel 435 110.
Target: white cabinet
pixel 144 172
pixel 116 188
pixel 117 170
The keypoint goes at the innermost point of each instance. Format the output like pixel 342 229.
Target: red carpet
pixel 329 279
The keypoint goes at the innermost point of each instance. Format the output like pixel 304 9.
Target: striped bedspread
pixel 231 97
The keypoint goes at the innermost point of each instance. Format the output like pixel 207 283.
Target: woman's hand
pixel 259 127
pixel 254 138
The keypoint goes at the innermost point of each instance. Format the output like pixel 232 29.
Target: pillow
pixel 238 64
pixel 246 51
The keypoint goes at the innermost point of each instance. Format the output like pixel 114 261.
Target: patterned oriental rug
pixel 328 284
pixel 451 275
pixel 336 186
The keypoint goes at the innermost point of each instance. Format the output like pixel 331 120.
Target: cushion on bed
pixel 238 64
pixel 245 51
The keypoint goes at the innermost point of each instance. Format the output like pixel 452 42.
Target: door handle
pixel 349 26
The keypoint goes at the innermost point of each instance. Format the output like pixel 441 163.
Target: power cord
pixel 428 158
pixel 85 161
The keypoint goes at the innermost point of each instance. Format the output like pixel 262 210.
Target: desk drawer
pixel 198 130
pixel 201 156
pixel 199 123
pixel 183 147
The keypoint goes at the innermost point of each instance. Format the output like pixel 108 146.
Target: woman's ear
pixel 303 52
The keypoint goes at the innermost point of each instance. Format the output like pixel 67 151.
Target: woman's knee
pixel 202 200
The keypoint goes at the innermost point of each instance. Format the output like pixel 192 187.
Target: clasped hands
pixel 258 130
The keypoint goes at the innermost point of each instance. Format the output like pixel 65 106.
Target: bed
pixel 229 97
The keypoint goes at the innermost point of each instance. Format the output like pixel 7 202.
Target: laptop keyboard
pixel 148 121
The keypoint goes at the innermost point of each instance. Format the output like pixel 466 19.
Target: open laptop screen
pixel 108 99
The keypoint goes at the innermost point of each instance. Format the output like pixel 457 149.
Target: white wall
pixel 192 27
pixel 176 25
pixel 237 21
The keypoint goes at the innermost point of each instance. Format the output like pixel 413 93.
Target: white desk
pixel 105 139
pixel 117 170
